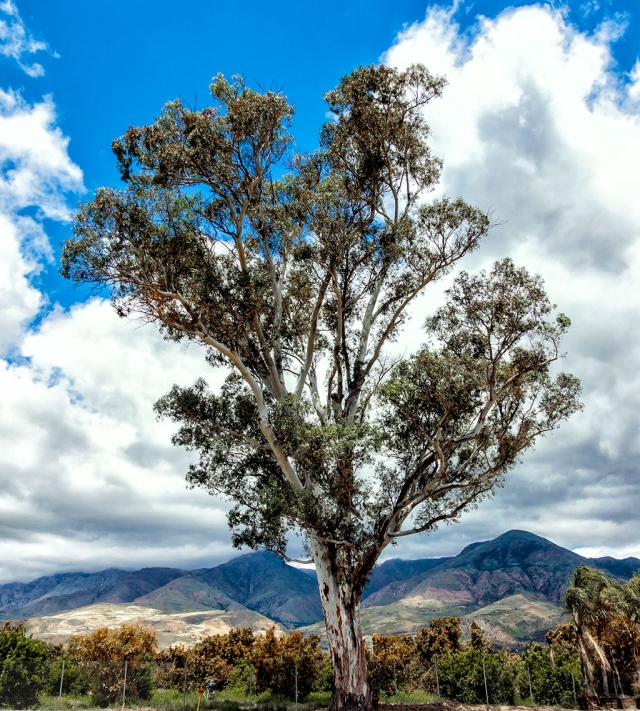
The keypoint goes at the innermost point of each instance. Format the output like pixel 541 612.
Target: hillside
pixel 519 616
pixel 262 582
pixel 171 628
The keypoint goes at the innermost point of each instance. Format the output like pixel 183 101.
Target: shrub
pixel 25 667
pixel 461 676
pixel 551 681
pixel 102 656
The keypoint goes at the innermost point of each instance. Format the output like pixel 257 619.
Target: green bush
pixel 324 682
pixel 25 668
pixel 76 681
pixel 551 683
pixel 461 677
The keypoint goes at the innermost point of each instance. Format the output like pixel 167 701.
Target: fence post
pixel 61 680
pixel 435 659
pixel 575 697
pixel 486 688
pixel 296 668
pixel 530 689
pixel 124 686
pixel 395 681
pixel 184 697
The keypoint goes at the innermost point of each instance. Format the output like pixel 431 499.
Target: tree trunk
pixel 635 685
pixel 587 678
pixel 341 607
pixel 605 679
pixel 603 667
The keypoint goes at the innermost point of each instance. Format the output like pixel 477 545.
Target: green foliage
pixel 24 667
pixel 461 676
pixel 76 680
pixel 324 682
pixel 551 680
pixel 240 676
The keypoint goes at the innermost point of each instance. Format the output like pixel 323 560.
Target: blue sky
pixel 540 122
pixel 115 63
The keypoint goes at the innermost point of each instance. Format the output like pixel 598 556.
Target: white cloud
pixel 16 40
pixel 535 125
pixel 35 174
pixel 88 478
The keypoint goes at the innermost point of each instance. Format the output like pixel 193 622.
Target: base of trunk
pixel 350 702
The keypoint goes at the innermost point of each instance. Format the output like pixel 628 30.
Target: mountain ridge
pixel 517 563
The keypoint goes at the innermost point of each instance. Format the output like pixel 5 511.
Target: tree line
pixel 596 653
pixel 271 666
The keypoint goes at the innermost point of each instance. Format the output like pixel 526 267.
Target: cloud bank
pixel 535 124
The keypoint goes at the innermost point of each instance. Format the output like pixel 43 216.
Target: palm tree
pixel 590 600
pixel 629 607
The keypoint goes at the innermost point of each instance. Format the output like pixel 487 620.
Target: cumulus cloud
pixel 35 175
pixel 534 124
pixel 88 478
pixel 16 40
pixel 537 126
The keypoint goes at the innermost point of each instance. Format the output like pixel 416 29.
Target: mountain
pixel 68 591
pixel 188 593
pixel 256 581
pixel 623 569
pixel 262 582
pixel 514 563
pixel 514 583
pixel 398 569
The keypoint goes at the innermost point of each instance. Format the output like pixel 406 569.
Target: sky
pixel 539 123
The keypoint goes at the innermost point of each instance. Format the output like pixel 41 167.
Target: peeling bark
pixel 341 608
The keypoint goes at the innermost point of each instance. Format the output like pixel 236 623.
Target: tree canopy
pixel 296 272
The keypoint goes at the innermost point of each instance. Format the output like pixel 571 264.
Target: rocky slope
pixel 171 628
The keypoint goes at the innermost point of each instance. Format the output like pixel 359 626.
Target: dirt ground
pixel 455 706
pixel 434 706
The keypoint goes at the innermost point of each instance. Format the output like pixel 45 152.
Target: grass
pixel 229 700
pixel 68 702
pixel 415 697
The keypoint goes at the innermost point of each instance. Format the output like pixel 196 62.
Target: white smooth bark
pixel 341 608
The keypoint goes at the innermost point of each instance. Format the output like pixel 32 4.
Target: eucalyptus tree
pixel 296 272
